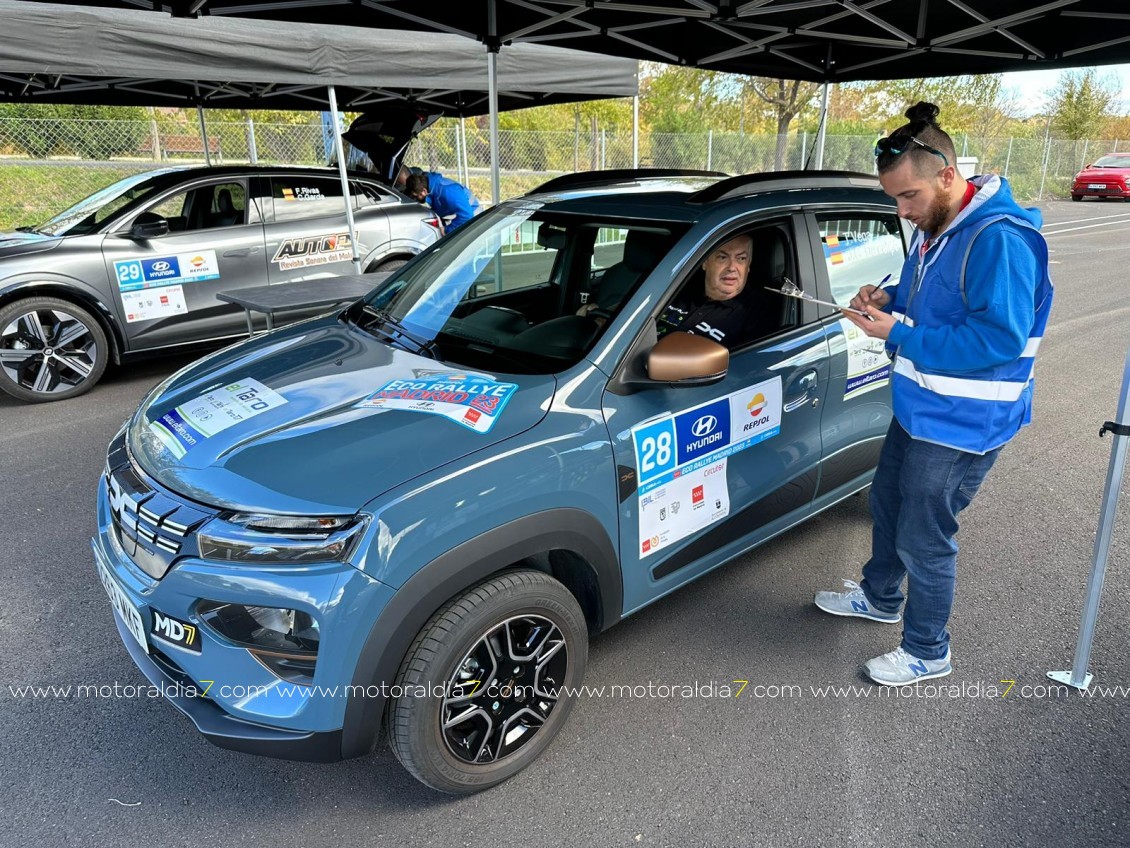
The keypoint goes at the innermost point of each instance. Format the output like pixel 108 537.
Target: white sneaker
pixel 899 668
pixel 854 603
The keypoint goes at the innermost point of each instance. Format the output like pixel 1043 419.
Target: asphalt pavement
pixel 808 754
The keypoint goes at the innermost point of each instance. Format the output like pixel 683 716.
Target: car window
pixel 367 194
pixel 608 248
pixel 297 198
pixel 860 250
pixel 753 313
pixel 511 291
pixel 1112 162
pixel 204 207
pixel 518 262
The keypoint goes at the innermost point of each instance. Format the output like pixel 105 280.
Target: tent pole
pixel 344 178
pixel 204 136
pixel 636 131
pixel 822 132
pixel 492 75
pixel 1078 676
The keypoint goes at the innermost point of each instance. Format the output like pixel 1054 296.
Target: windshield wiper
pixel 424 347
pixel 27 230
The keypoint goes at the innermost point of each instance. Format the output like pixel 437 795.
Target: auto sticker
pixel 474 402
pixel 182 428
pixel 147 304
pixel 306 251
pixel 681 460
pixel 153 272
pixel 869 367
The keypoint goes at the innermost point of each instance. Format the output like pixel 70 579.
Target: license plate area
pixel 123 607
pixel 1099 186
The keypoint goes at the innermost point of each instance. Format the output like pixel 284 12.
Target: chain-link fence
pixel 48 164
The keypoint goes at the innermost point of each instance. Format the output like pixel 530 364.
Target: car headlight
pixel 281 539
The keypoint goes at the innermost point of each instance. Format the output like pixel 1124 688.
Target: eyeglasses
pixel 897 144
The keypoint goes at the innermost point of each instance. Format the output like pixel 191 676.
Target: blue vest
pixel 971 410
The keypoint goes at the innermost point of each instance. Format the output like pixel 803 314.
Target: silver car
pixel 134 269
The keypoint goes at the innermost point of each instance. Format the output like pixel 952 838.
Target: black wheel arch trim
pixel 79 297
pixel 455 571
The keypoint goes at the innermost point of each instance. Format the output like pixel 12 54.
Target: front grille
pixel 151 525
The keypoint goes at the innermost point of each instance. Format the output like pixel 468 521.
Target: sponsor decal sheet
pixel 681 461
pixel 154 272
pixel 147 304
pixel 184 427
pixel 474 402
pixel 869 367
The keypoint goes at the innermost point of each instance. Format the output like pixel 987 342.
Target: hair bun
pixel 923 112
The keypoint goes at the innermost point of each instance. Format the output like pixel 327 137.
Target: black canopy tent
pixel 818 40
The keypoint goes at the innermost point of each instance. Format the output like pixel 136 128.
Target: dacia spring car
pixel 414 512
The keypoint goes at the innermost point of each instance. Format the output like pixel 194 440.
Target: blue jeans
pixel 918 491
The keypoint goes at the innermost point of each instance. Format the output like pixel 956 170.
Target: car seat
pixel 226 215
pixel 642 251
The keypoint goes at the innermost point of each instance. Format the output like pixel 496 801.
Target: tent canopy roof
pixel 795 39
pixel 54 53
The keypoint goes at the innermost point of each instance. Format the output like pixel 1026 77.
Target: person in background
pixel 446 197
pixel 963 325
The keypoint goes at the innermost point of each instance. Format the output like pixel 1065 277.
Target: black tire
pixel 50 349
pixel 531 693
pixel 389 265
pixel 1076 197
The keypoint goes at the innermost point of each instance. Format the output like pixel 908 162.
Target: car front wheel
pixel 50 349
pixel 488 682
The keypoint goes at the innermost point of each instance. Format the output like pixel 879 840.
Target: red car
pixel 1105 178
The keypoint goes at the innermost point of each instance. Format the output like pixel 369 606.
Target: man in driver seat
pixel 716 311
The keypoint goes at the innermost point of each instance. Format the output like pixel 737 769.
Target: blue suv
pixel 414 512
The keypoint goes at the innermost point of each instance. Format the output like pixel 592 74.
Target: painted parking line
pixel 1086 220
pixel 1124 220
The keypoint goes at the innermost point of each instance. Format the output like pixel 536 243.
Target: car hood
pixel 314 450
pixel 1103 174
pixel 384 136
pixel 19 244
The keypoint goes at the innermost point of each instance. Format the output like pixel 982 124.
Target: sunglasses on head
pixel 898 144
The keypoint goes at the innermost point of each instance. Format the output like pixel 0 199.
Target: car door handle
pixel 800 390
pixel 243 251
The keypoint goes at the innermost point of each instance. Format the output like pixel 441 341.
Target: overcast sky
pixel 1034 86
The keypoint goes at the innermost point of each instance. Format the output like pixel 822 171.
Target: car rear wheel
pixel 488 682
pixel 50 349
pixel 1076 197
pixel 390 265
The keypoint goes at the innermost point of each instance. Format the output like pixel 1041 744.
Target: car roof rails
pixel 587 179
pixel 749 184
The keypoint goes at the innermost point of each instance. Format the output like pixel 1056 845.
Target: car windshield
pixel 1112 162
pixel 89 214
pixel 518 290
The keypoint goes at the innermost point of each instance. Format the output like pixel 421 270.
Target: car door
pixel 854 247
pixel 706 471
pixel 167 285
pixel 308 234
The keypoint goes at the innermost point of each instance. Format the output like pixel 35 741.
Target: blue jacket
pixel 963 369
pixel 448 197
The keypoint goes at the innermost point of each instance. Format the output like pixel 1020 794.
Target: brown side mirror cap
pixel 687 358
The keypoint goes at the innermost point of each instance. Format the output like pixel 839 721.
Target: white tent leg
pixel 1078 676
pixel 344 179
pixel 823 130
pixel 636 131
pixel 204 136
pixel 492 81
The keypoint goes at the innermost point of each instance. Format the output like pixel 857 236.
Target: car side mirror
pixel 142 230
pixel 688 360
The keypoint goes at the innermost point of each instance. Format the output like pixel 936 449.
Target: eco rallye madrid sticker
pixel 151 272
pixel 681 461
pixel 189 424
pixel 474 402
pixel 304 251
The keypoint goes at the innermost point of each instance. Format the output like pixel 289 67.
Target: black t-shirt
pixel 725 321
